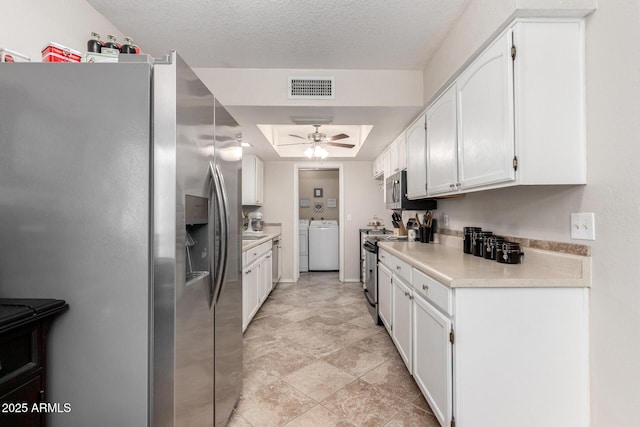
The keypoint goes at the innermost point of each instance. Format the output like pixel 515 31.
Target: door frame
pixel 297 167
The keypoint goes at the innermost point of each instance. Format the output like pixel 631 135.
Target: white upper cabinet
pixel 442 144
pixel 378 166
pixel 252 180
pixel 485 117
pixel 417 159
pixel 517 117
pixel 386 159
pixel 393 157
pixel 401 148
pixel 549 101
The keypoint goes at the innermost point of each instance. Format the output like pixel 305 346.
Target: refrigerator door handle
pixel 221 196
pixel 214 263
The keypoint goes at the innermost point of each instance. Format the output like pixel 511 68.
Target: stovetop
pixel 384 238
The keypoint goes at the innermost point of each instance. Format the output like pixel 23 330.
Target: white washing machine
pixel 303 243
pixel 324 246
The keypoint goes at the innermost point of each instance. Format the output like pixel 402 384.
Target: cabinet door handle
pixel 248 271
pixel 398 267
pixel 452 185
pixel 425 288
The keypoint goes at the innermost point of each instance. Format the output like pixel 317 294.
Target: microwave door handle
pixel 393 192
pixel 224 246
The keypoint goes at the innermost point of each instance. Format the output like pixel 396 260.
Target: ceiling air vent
pixel 312 87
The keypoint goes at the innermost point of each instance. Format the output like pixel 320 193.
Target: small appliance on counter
pixel 255 223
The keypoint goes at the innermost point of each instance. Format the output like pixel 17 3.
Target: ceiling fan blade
pixel 338 137
pixel 298 136
pixel 340 144
pixel 294 143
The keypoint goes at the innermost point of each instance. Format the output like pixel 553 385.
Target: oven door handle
pixel 366 294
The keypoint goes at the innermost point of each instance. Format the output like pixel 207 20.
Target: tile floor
pixel 313 357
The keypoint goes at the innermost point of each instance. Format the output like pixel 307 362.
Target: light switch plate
pixel 583 226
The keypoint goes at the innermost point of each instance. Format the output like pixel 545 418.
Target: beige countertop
pixel 264 237
pixel 450 266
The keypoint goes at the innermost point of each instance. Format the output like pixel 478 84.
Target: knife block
pixel 401 230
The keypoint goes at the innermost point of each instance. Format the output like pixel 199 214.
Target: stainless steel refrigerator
pixel 120 193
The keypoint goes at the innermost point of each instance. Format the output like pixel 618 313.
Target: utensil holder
pixel 425 232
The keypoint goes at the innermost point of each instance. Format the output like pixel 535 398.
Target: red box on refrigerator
pixel 7 55
pixel 54 52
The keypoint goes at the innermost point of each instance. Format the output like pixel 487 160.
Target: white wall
pixel 613 126
pixel 29 25
pixel 362 200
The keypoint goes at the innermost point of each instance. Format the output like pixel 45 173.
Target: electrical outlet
pixel 348 217
pixel 445 220
pixel 583 226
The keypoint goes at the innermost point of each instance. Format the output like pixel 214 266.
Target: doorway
pixel 318 195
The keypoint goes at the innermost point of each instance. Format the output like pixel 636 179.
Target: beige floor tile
pixel 319 416
pixel 263 344
pixel 393 377
pixel 319 380
pixel 315 341
pixel 280 362
pixel 237 420
pixel 422 403
pixel 273 405
pixel 362 404
pixel 356 360
pixel 413 417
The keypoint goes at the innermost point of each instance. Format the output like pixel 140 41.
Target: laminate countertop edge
pixel 455 269
pixel 250 244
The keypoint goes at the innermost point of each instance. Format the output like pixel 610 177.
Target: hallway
pixel 313 357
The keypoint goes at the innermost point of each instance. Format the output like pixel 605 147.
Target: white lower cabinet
pixel 256 281
pixel 432 357
pixel 250 293
pixel 486 357
pixel 384 296
pixel 266 269
pixel 402 320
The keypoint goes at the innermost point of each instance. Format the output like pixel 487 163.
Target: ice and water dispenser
pixel 196 210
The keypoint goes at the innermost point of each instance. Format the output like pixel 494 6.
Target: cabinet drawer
pixel 402 269
pixel 439 294
pixel 396 265
pixel 255 253
pixel 386 258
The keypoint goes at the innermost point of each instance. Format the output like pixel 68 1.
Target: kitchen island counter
pixel 452 267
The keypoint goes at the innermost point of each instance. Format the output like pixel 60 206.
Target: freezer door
pixel 183 379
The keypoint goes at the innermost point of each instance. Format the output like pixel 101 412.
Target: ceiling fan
pixel 318 137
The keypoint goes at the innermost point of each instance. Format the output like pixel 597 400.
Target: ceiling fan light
pixel 324 154
pixel 309 152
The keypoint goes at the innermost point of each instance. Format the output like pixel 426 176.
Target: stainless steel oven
pixel 371 277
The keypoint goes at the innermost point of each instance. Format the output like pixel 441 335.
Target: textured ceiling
pixel 308 34
pixel 295 34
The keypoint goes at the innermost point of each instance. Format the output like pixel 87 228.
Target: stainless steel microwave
pixel 396 195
